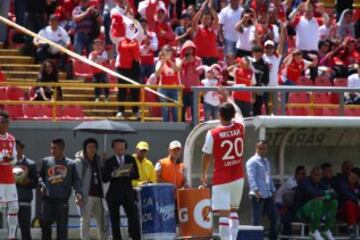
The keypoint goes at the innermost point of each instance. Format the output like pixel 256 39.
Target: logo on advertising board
pixel 202 214
pixel 57 174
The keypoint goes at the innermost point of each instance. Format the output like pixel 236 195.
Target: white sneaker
pixel 328 235
pixel 97 99
pixel 119 114
pixel 316 235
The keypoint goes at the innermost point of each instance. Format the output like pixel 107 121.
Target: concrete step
pixel 11 79
pixel 84 97
pixel 9 52
pixel 16 59
pixel 28 74
pixel 20 67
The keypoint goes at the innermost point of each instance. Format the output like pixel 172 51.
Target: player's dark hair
pixel 325 166
pixel 119 140
pixel 227 111
pixel 87 142
pixel 58 141
pixel 19 144
pixel 299 168
pixel 4 115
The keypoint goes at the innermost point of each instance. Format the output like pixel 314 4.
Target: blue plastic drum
pixel 157 211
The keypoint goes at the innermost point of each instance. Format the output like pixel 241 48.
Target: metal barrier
pixel 280 90
pixel 54 102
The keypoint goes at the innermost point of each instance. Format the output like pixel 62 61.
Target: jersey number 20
pixel 235 148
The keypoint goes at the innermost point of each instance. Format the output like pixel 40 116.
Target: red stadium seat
pixel 340 82
pixel 48 111
pixel 73 112
pixel 322 81
pixel 14 93
pixel 297 111
pixel 318 111
pixel 331 112
pixel 15 111
pixel 33 111
pixel 3 93
pixel 82 69
pixel 304 81
pixel 321 98
pixel 299 97
pixel 352 112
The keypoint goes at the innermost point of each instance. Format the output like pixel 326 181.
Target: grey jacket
pixel 59 177
pixel 84 172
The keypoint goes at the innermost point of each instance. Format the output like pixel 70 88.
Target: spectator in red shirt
pixel 244 76
pixel 294 66
pixel 128 56
pixel 148 8
pixel 167 72
pixel 189 76
pixel 149 45
pixel 163 29
pixel 205 37
pixel 100 56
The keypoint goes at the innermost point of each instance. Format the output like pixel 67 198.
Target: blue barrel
pixel 157 211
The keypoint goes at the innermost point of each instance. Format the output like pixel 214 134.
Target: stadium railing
pixel 278 98
pixel 142 104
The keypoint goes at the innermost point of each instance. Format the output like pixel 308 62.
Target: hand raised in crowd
pixel 78 199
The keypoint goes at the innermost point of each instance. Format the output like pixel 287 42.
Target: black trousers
pixel 101 78
pixel 259 101
pixel 245 107
pixel 54 212
pixel 129 205
pixel 34 22
pixel 25 220
pixel 134 74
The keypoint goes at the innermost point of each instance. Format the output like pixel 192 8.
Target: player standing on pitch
pixel 225 144
pixel 8 192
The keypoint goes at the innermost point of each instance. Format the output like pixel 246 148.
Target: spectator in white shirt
pixel 211 98
pixel 273 57
pixel 56 34
pixel 228 17
pixel 246 34
pixel 353 82
pixel 307 31
pixel 285 196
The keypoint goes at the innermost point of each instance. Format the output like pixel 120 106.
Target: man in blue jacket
pixel 314 200
pixel 58 176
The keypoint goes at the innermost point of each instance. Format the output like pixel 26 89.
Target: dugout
pixel 293 141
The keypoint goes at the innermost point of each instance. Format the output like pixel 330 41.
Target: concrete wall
pixel 37 135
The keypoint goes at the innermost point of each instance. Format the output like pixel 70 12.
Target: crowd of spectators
pixel 254 43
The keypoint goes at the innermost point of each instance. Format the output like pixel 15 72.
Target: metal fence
pixel 279 94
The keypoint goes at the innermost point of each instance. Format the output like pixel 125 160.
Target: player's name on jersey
pixel 231 133
pixel 232 163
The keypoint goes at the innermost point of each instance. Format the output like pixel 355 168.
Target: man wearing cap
pixel 145 167
pixel 171 169
pixel 56 34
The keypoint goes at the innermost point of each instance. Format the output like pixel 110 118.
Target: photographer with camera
pixel 54 33
pixel 87 26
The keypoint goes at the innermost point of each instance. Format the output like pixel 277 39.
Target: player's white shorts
pixel 228 195
pixel 8 193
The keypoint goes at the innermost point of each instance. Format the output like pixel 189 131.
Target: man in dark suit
pixel 120 169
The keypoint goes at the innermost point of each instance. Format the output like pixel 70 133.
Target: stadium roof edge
pixel 301 122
